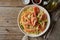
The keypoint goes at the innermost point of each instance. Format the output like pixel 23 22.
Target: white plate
pixel 48 17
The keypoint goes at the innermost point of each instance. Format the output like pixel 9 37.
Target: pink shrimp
pixel 33 20
pixel 43 26
pixel 43 17
pixel 36 10
pixel 27 21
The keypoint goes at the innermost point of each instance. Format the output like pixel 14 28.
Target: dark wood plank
pixel 9 29
pixel 8 16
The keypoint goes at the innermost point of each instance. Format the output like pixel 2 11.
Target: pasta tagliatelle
pixel 33 20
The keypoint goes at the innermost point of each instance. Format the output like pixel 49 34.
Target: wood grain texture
pixel 8 24
pixel 11 3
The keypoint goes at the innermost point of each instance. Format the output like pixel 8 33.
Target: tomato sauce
pixel 36 1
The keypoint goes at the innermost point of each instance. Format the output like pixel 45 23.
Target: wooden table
pixel 9 10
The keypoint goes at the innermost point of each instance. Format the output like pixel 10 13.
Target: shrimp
pixel 43 26
pixel 43 17
pixel 27 21
pixel 33 20
pixel 36 10
pixel 34 14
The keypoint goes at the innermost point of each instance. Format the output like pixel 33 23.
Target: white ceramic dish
pixel 48 17
pixel 26 2
pixel 36 3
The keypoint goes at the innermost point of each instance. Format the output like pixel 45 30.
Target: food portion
pixel 33 20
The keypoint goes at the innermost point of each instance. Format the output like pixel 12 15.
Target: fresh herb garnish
pixel 39 21
pixel 22 27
